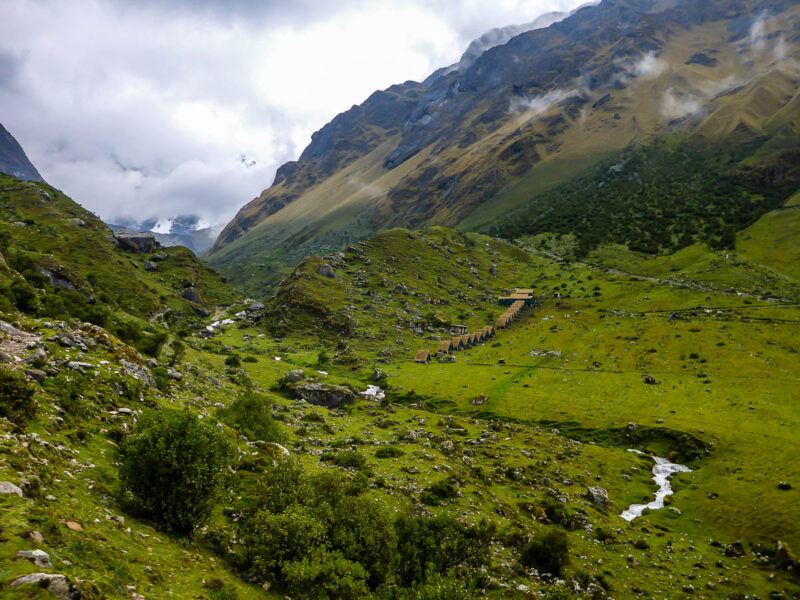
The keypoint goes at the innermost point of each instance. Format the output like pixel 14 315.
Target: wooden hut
pixel 467 340
pixel 423 356
pixel 523 295
pixel 490 332
pixel 502 322
pixel 457 343
pixel 445 347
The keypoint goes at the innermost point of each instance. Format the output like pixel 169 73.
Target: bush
pixel 326 576
pixel 171 465
pixel 151 344
pixel 388 452
pixel 16 397
pixel 548 552
pixel 233 361
pixel 435 493
pixel 441 587
pixel 428 546
pixel 251 416
pixel 350 459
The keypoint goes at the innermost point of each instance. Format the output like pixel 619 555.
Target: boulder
pixel 39 557
pixel 784 485
pixel 597 495
pixel 5 357
pixel 325 270
pixel 140 242
pixel 323 394
pixel 6 487
pixel 37 375
pixel 295 375
pixel 150 266
pixel 190 294
pixel 159 257
pixel 650 380
pixel 784 557
pixel 55 583
pixel 734 550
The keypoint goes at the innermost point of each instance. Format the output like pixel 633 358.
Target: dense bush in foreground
pixel 171 465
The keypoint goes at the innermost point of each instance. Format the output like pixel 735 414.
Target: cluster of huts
pixel 515 302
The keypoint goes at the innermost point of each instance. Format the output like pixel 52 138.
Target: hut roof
pixel 422 356
pixel 445 346
pixel 456 342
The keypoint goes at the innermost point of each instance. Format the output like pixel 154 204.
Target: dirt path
pixel 14 341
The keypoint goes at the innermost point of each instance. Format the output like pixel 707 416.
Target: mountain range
pixel 469 146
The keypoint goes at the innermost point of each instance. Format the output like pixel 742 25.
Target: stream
pixel 662 471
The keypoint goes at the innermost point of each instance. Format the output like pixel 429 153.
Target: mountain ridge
pixel 13 160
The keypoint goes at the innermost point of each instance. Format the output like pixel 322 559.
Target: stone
pixel 6 487
pixel 295 375
pixel 55 583
pixel 78 222
pixel 39 557
pixel 597 495
pixel 140 242
pixel 650 380
pixel 674 510
pixel 325 270
pixel 36 537
pixel 159 257
pixel 447 447
pixel 38 357
pixel 190 294
pixel 784 557
pixel 37 375
pixel 5 357
pixel 323 394
pixel 784 485
pixel 150 266
pixel 734 550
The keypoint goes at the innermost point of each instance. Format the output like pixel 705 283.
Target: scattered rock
pixel 597 495
pixel 6 487
pixel 447 447
pixel 150 266
pixel 5 357
pixel 39 557
pixel 295 375
pixel 55 583
pixel 734 550
pixel 784 485
pixel 159 257
pixel 650 380
pixel 784 557
pixel 37 375
pixel 36 537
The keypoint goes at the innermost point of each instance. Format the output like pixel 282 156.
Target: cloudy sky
pixel 145 109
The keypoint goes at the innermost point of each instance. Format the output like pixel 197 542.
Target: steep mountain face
pixel 468 146
pixel 13 160
pixel 185 230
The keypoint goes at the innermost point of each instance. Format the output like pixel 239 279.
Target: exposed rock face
pixel 58 585
pixel 323 394
pixel 13 160
pixel 190 294
pixel 140 242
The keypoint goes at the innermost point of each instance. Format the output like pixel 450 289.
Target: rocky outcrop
pixel 6 487
pixel 140 242
pixel 323 394
pixel 13 160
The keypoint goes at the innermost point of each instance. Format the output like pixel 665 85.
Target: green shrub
pixel 434 494
pixel 251 416
pixel 441 587
pixel 388 452
pixel 548 552
pixel 171 465
pixel 233 361
pixel 151 344
pixel 435 545
pixel 326 576
pixel 16 397
pixel 350 459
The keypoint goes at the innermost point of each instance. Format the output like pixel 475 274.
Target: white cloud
pixel 144 109
pixel 650 66
pixel 676 105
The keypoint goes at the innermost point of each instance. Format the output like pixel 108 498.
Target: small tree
pixel 251 415
pixel 16 397
pixel 171 465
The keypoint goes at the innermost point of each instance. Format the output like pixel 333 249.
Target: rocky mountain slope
pixel 13 160
pixel 719 79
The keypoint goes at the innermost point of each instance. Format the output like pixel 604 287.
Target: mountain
pixel 716 79
pixel 185 230
pixel 13 160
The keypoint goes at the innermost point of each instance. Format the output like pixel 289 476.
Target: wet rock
pixel 597 495
pixel 55 583
pixel 323 394
pixel 6 487
pixel 39 557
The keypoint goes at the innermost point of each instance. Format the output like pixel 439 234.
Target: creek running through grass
pixel 662 471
